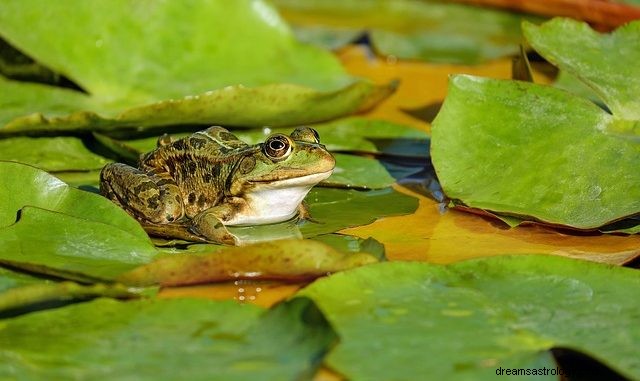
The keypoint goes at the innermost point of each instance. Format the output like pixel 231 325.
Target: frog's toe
pixel 210 227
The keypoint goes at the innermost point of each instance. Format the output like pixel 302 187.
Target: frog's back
pixel 199 164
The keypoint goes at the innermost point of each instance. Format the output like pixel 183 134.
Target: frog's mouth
pixel 308 180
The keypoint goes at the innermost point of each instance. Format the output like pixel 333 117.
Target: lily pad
pixel 280 260
pixel 34 187
pixel 467 320
pixel 24 299
pixel 51 153
pixel 70 247
pixel 107 339
pixel 434 31
pixel 529 150
pixel 181 76
pixel 336 209
pixel 12 279
pixel 605 62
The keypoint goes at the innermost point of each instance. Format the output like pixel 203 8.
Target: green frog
pixel 211 179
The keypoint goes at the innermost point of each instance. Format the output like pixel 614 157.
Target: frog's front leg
pixel 153 198
pixel 210 224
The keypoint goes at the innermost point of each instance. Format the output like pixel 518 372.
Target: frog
pixel 211 180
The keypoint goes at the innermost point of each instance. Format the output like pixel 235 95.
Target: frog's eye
pixel 305 134
pixel 277 147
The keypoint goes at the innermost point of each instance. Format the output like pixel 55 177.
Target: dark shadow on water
pixel 426 113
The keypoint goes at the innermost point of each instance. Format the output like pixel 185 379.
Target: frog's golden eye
pixel 305 134
pixel 277 147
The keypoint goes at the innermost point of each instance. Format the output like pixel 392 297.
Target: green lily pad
pixel 12 279
pixel 605 62
pixel 353 171
pixel 280 260
pixel 22 299
pixel 529 150
pixel 34 187
pixel 51 153
pixel 70 247
pixel 182 75
pixel 165 340
pixel 467 320
pixel 336 209
pixel 428 30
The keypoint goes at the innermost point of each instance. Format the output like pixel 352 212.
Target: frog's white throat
pixel 277 201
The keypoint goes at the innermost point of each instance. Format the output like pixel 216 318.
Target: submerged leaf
pixel 530 150
pixel 281 260
pixel 465 321
pixel 336 209
pixel 165 340
pixel 190 70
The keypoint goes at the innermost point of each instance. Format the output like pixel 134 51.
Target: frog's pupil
pixel 276 145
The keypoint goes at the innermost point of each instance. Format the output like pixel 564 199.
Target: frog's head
pixel 284 161
pixel 275 177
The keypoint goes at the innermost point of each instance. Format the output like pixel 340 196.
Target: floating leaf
pixel 465 321
pixel 359 172
pixel 605 62
pixel 429 30
pixel 12 279
pixel 170 81
pixel 530 150
pixel 281 260
pixel 34 187
pixel 75 248
pixel 51 153
pixel 336 209
pixel 21 299
pixel 107 339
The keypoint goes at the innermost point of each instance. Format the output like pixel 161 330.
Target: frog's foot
pixel 152 198
pixel 304 215
pixel 209 226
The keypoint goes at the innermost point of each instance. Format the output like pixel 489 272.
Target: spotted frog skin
pixel 212 179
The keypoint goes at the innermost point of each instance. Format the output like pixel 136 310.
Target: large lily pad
pixel 182 74
pixel 465 321
pixel 428 30
pixel 165 340
pixel 531 150
pixel 563 184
